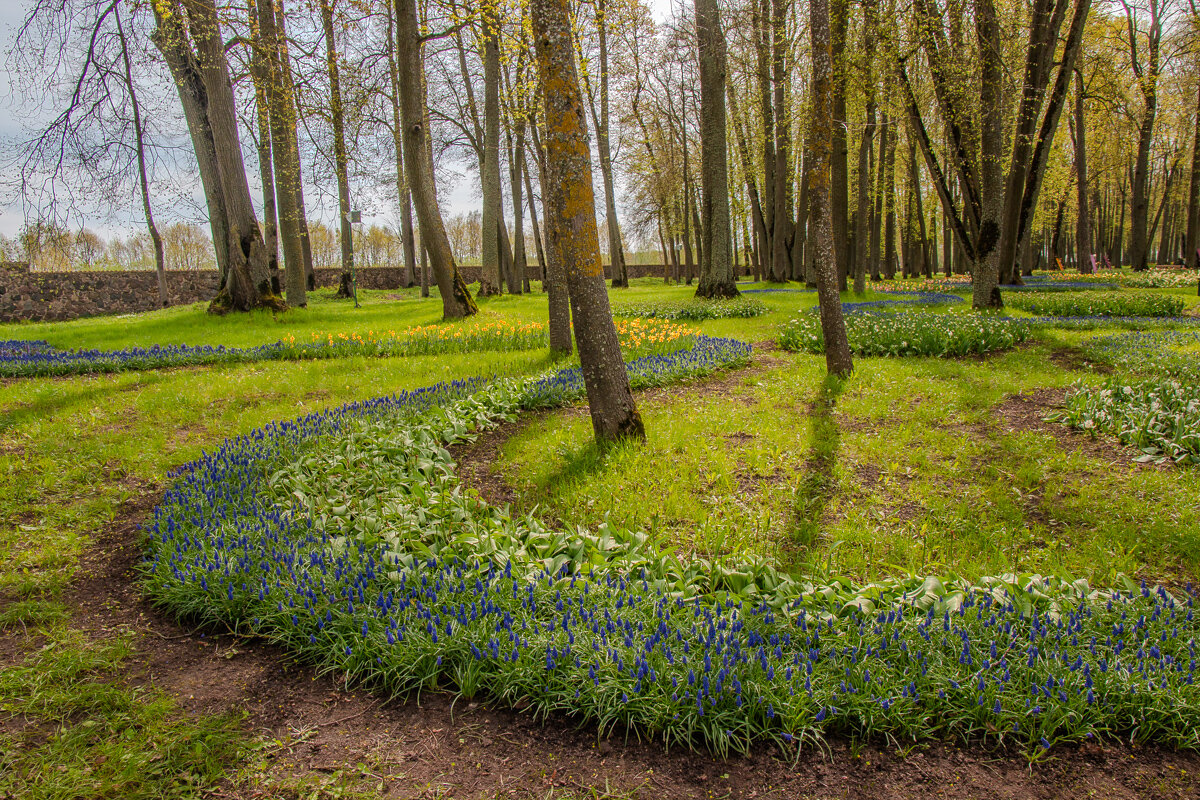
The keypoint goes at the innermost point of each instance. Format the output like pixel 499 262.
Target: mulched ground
pixel 435 746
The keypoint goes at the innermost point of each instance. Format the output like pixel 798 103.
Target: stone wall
pixel 57 296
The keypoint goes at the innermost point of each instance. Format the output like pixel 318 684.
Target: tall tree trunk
pixel 160 262
pixel 170 37
pixel 840 192
pixel 762 14
pixel 402 193
pixel 781 234
pixel 260 72
pixel 875 259
pixel 1147 80
pixel 833 326
pixel 341 166
pixel 533 219
pixel 493 208
pixel 573 228
pixel 554 272
pixel 285 154
pixel 516 165
pixel 616 250
pixel 863 227
pixel 889 205
pixel 717 277
pixel 1192 237
pixel 1083 230
pixel 418 162
pixel 247 280
pixel 985 272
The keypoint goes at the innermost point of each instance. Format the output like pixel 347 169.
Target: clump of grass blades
pixel 1159 416
pixel 416 584
pixel 695 310
pixel 909 333
pixel 1107 304
pixel 103 739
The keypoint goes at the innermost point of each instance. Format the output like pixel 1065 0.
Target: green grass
pixel 907 467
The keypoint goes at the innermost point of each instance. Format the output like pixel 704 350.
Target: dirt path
pixel 436 747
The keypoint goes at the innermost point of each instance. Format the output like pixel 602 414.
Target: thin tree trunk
pixel 863 229
pixel 840 192
pixel 781 234
pixel 1083 231
pixel 555 277
pixel 616 250
pixel 1191 255
pixel 160 262
pixel 284 153
pixel 341 165
pixel 418 162
pixel 573 228
pixel 493 208
pixel 837 349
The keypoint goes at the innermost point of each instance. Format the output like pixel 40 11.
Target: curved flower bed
pixel 39 358
pixel 346 537
pixel 695 310
pixel 903 298
pixel 909 333
pixel 1117 304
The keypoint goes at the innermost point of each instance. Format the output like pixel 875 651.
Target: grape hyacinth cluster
pixel 416 584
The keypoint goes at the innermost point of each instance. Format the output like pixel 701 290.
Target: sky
pixel 459 197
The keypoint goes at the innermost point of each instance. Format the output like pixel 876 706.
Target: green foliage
pixel 1104 304
pixel 695 310
pixel 908 333
pixel 79 733
pixel 396 578
pixel 1160 417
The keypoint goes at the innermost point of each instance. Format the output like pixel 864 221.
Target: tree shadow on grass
pixel 817 485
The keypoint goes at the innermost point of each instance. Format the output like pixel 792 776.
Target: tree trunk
pixel 1083 230
pixel 341 165
pixel 833 326
pixel 489 172
pixel 555 276
pixel 863 227
pixel 247 280
pixel 160 265
pixel 781 234
pixel 284 150
pixel 840 167
pixel 418 162
pixel 402 193
pixel 170 37
pixel 875 258
pixel 516 165
pixel 985 271
pixel 573 229
pixel 889 205
pixel 1192 237
pixel 1147 80
pixel 616 250
pixel 762 15
pixel 717 278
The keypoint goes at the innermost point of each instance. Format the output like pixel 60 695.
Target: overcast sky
pixel 462 196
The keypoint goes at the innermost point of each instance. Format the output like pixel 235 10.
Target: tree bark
pixel 837 349
pixel 160 264
pixel 863 229
pixel 717 278
pixel 341 167
pixel 285 153
pixel 456 298
pixel 610 401
pixel 840 167
pixel 616 250
pixel 555 277
pixel 247 280
pixel 1083 230
pixel 781 233
pixel 489 173
pixel 1192 237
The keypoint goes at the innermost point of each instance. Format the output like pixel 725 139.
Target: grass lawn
pixel 916 465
